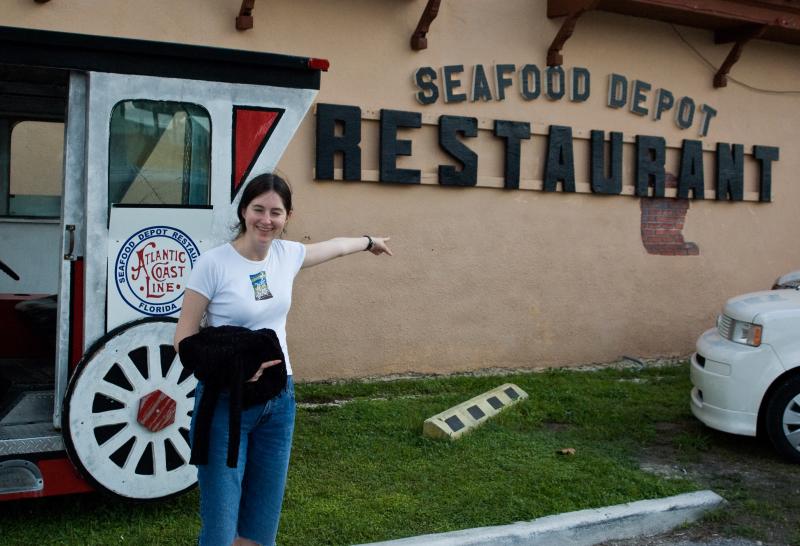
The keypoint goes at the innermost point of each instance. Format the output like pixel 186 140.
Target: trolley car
pixel 120 162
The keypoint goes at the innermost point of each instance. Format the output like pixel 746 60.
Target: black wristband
pixel 370 244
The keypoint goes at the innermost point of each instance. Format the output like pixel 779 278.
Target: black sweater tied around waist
pixel 224 358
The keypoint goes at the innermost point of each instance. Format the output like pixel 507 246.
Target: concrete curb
pixel 585 527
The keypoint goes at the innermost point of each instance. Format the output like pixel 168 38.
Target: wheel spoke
pixel 159 458
pixel 794 439
pixel 112 391
pixel 791 418
pixel 184 405
pixel 136 453
pixel 153 361
pixel 174 371
pixel 134 376
pixel 187 386
pixel 180 446
pixel 116 442
pixel 113 417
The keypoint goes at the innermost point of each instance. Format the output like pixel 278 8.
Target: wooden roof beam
pixel 554 56
pixel 419 40
pixel 740 36
pixel 737 21
pixel 245 19
pixel 782 17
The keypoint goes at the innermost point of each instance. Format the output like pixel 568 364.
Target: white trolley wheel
pixel 127 413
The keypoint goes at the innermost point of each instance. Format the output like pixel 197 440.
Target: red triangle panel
pixel 253 127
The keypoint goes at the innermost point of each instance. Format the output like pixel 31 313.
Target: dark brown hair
pixel 262 184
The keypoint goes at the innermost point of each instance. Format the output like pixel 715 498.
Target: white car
pixel 746 371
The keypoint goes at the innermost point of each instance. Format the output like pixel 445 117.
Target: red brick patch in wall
pixel 662 224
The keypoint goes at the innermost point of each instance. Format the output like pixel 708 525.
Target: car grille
pixel 724 326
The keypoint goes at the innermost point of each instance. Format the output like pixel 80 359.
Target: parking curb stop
pixel 584 527
pixel 457 421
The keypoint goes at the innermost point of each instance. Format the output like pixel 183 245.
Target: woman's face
pixel 264 218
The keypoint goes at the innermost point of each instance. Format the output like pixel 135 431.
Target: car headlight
pixel 739 331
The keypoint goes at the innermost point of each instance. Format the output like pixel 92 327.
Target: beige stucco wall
pixel 484 277
pixel 43 142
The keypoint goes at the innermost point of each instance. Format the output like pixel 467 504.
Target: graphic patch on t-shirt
pixel 260 288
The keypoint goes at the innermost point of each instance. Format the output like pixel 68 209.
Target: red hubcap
pixel 156 411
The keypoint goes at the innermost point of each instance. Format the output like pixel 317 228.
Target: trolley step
pixel 30 438
pixel 32 406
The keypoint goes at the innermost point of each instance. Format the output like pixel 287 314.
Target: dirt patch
pixel 762 490
pixel 625 363
pixel 555 427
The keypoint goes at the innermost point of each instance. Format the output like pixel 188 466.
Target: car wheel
pixel 127 413
pixel 782 419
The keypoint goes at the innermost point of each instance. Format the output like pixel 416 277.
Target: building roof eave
pixel 732 21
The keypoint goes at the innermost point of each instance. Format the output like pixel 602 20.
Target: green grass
pixel 362 471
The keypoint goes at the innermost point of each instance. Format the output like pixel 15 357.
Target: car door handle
pixel 70 228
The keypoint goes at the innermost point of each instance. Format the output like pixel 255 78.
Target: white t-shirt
pixel 253 294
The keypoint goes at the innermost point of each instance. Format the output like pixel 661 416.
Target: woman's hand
pixel 264 365
pixel 379 246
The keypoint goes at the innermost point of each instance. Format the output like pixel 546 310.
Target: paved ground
pixel 680 539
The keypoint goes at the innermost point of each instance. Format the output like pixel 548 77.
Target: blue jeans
pixel 246 501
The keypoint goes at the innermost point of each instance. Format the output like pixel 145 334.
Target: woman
pixel 248 282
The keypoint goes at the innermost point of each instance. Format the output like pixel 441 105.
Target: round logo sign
pixel 152 268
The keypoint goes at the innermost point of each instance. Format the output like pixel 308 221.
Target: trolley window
pixel 35 169
pixel 159 153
